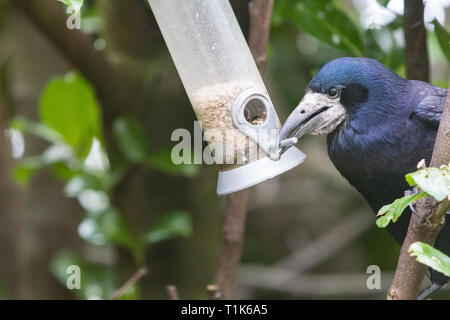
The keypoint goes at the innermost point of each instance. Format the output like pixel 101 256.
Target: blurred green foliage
pixel 70 122
pixel 324 21
pixel 173 224
pixel 328 22
pixel 443 37
pixel 69 107
pixel 133 144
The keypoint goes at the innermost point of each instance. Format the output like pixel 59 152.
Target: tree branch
pixel 236 204
pixel 260 12
pixel 430 217
pixel 233 234
pixel 426 224
pixel 416 54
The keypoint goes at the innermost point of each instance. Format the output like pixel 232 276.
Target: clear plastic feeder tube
pixel 224 86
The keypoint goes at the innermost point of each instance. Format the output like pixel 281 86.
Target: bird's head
pixel 341 89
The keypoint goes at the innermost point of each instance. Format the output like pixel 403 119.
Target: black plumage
pixel 389 126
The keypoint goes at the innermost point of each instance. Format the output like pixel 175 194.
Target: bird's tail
pixel 428 291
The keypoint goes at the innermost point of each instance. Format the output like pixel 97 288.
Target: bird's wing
pixel 428 103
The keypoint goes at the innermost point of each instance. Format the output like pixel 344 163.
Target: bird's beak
pixel 316 114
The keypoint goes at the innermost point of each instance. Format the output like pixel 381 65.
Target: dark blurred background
pixel 86 176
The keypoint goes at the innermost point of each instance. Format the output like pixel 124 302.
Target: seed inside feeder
pixel 213 105
pixel 255 112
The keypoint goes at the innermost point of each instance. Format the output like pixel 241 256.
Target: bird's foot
pixel 428 291
pixel 409 193
pixel 411 205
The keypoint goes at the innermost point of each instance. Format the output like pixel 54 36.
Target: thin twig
pixel 426 224
pixel 213 292
pixel 236 204
pixel 172 292
pixel 130 282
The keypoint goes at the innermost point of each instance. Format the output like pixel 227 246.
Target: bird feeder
pixel 226 91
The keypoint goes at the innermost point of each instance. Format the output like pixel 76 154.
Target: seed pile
pixel 213 108
pixel 259 120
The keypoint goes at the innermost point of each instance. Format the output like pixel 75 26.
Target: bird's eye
pixel 333 92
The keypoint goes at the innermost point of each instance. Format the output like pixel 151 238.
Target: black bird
pixel 378 126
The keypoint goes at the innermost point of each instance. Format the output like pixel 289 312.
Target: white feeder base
pixel 258 171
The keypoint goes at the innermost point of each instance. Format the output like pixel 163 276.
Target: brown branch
pixel 129 283
pixel 441 152
pixel 260 12
pixel 236 204
pixel 416 54
pixel 233 234
pixel 426 224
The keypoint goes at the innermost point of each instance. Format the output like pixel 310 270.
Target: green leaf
pixel 443 37
pixel 68 106
pixel 431 257
pixel 39 130
pixel 393 211
pixel 107 227
pixel 162 162
pixel 434 181
pixel 75 4
pixel 25 168
pixel 324 21
pixel 22 173
pixel 64 170
pixel 170 225
pixel 131 139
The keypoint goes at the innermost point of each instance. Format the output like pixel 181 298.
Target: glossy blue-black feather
pixel 391 124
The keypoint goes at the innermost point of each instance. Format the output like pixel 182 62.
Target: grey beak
pixel 301 122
